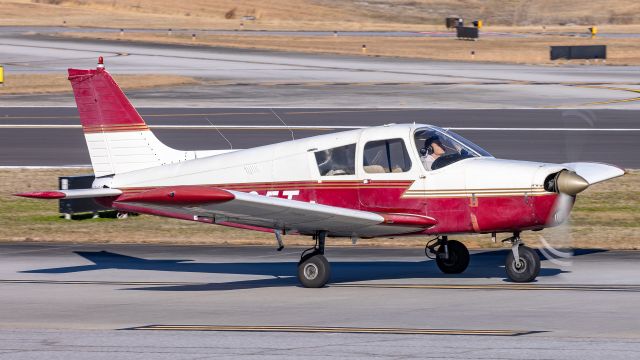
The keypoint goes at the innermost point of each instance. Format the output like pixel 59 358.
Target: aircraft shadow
pixel 486 265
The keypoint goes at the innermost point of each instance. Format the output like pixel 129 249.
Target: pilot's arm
pixel 427 161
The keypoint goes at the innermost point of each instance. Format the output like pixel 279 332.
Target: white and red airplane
pixel 406 179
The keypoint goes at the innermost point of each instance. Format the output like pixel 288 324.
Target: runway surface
pixel 257 78
pixel 188 302
pixel 44 136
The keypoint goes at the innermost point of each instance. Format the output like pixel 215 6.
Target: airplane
pixel 381 181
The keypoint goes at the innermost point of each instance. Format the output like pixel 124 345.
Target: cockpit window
pixel 337 161
pixel 438 147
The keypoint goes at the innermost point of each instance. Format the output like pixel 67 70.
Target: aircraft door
pixel 391 179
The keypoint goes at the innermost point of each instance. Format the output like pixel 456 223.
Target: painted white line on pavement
pixel 306 127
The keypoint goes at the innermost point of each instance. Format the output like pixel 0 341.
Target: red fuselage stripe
pixel 454 213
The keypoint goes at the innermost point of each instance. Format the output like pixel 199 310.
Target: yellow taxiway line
pixel 633 288
pixel 503 287
pixel 334 329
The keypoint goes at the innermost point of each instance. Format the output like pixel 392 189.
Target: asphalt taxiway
pixel 200 301
pixel 43 136
pixel 258 78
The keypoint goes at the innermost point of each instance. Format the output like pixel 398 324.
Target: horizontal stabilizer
pixel 71 194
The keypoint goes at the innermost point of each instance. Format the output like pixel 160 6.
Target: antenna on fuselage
pixel 285 124
pixel 221 134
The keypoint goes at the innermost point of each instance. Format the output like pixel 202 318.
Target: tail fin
pixel 117 137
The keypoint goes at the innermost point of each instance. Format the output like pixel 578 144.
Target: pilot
pixel 432 150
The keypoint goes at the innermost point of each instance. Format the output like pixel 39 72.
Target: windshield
pixel 438 147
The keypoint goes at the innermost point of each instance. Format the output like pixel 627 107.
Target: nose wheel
pixel 313 268
pixel 451 256
pixel 522 263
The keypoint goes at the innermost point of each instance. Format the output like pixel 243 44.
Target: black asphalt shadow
pixel 485 265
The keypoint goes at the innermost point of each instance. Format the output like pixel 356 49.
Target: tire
pixel 525 271
pixel 308 255
pixel 314 271
pixel 458 258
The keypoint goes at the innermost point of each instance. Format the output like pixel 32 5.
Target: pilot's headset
pixel 428 147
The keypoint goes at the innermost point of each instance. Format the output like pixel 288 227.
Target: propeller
pixel 567 184
pixel 557 239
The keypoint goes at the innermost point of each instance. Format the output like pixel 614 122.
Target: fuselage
pixel 378 169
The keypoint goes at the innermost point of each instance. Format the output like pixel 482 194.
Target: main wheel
pixel 314 271
pixel 458 258
pixel 525 269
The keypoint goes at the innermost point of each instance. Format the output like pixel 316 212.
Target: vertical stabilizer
pixel 117 137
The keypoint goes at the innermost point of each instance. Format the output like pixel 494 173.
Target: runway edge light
pixel 1 75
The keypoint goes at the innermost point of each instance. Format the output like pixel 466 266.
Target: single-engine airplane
pixel 404 179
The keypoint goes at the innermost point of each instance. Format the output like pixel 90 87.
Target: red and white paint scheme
pixel 405 179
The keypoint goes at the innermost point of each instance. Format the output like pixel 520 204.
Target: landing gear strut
pixel 314 269
pixel 522 263
pixel 451 256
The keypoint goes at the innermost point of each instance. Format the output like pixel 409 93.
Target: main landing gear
pixel 522 263
pixel 451 256
pixel 313 268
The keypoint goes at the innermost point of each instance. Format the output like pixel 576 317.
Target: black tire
pixel 314 271
pixel 526 270
pixel 458 258
pixel 308 255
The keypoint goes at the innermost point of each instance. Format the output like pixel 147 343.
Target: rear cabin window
pixel 386 156
pixel 337 161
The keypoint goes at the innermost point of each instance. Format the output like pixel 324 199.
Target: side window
pixel 337 161
pixel 386 156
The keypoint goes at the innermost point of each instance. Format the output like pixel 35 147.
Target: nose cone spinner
pixel 570 183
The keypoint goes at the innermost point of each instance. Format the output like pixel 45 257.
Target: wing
pixel 257 212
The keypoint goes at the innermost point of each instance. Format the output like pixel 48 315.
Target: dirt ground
pixel 315 14
pixel 607 215
pixel 18 83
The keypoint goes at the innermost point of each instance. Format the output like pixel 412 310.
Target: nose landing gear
pixel 313 268
pixel 451 256
pixel 522 263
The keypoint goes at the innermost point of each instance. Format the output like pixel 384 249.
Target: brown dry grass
pixel 312 14
pixel 55 83
pixel 607 215
pixel 531 50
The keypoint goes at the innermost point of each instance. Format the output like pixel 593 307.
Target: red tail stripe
pixel 101 129
pixel 100 100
